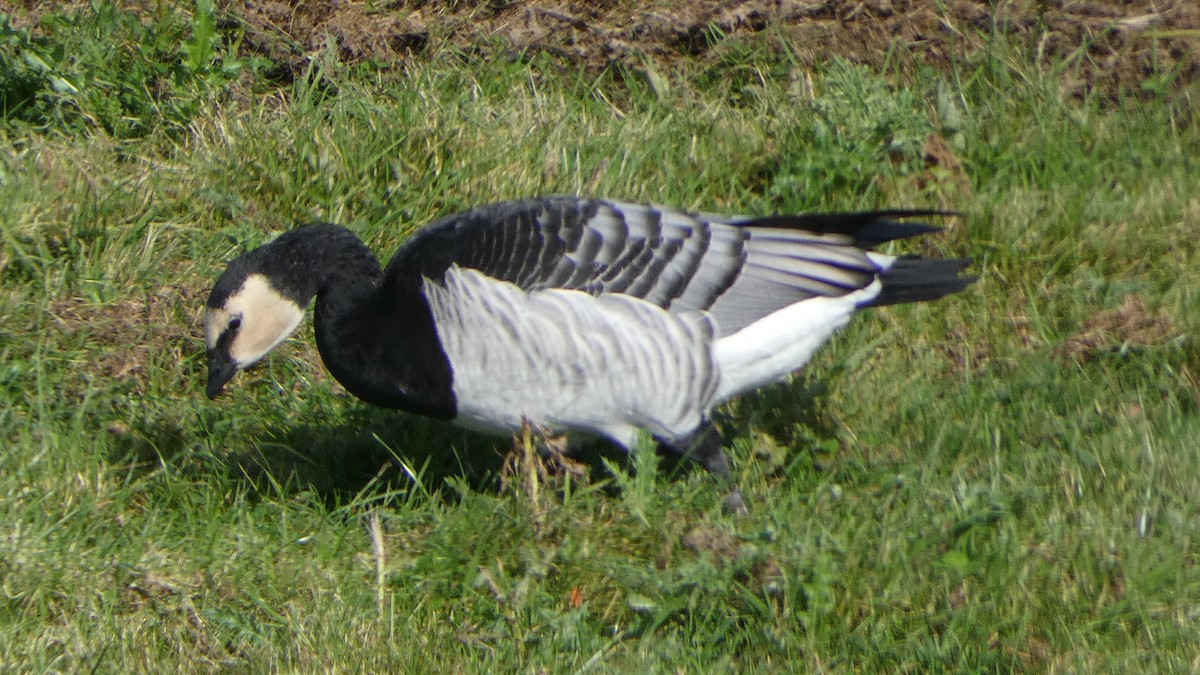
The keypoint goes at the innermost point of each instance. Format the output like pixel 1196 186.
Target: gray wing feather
pixel 831 254
pixel 680 261
pixel 703 262
pixel 807 269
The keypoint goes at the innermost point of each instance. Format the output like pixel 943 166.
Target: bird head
pixel 247 315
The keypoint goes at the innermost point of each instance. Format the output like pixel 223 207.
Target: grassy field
pixel 1005 480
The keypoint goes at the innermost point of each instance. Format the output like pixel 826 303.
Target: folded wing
pixel 739 269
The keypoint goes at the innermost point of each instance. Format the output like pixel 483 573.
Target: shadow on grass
pixel 792 413
pixel 378 451
pixel 367 448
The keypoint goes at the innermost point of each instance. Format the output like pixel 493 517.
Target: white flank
pixel 569 361
pixel 780 343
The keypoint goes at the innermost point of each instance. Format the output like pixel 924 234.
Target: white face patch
pixel 216 320
pixel 263 318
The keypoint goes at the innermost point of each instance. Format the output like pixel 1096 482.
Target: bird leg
pixel 704 446
pixel 556 453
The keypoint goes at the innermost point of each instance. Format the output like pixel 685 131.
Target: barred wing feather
pixel 739 269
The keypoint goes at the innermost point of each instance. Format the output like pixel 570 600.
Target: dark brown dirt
pixel 1113 44
pixel 1109 45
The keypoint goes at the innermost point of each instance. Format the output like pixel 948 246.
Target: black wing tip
pixel 922 279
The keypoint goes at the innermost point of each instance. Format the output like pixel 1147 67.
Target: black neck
pixel 377 340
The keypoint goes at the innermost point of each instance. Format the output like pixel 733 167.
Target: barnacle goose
pixel 579 315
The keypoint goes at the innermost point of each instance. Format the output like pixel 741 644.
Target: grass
pixel 1004 480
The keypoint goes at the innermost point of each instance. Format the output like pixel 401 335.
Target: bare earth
pixel 1112 45
pixel 1116 44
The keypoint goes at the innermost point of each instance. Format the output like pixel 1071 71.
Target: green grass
pixel 957 486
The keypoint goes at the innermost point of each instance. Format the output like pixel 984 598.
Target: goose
pixel 583 316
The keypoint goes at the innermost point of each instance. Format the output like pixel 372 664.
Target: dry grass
pixel 1109 46
pixel 1130 326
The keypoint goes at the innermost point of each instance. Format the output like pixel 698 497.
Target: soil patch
pixel 1137 46
pixel 1130 326
pixel 1133 45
